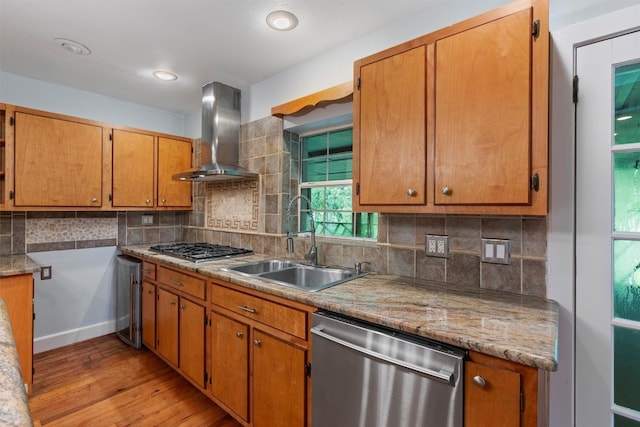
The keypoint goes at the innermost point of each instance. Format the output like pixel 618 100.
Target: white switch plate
pixel 437 246
pixel 496 251
pixel 147 219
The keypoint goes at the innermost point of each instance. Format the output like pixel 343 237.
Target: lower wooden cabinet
pixel 500 393
pixel 149 315
pixel 17 293
pixel 260 357
pixel 167 325
pixel 191 337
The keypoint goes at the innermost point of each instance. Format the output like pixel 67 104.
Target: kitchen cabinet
pixel 474 98
pixel 230 364
pixel 17 293
pixel 390 136
pixel 58 162
pixel 149 314
pixel 133 169
pixel 181 322
pixel 273 362
pixel 5 154
pixel 500 393
pixel 174 156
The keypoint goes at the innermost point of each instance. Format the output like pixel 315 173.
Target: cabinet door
pixel 483 113
pixel 149 315
pixel 279 382
pixel 167 325
pixel 230 363
pixel 497 402
pixel 133 172
pixel 192 340
pixel 391 150
pixel 173 156
pixel 17 293
pixel 58 162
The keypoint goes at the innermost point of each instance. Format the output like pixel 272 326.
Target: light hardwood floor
pixel 103 382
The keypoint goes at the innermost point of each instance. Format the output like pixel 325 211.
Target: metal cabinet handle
pixel 94 200
pixel 150 291
pixel 239 334
pixel 145 271
pixel 445 190
pixel 147 201
pixel 183 306
pixel 176 282
pixel 245 308
pixel 411 192
pixel 479 381
pixel 172 303
pixel 257 343
pixel 164 201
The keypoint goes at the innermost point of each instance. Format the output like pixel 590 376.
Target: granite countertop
pixel 14 405
pixel 519 328
pixel 14 265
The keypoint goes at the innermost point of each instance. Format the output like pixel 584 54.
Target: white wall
pixel 40 95
pixel 78 303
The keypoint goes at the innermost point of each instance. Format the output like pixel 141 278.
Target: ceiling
pixel 200 40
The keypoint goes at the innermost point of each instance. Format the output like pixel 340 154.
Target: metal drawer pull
pixel 239 334
pixel 172 303
pixel 479 381
pixel 257 343
pixel 245 308
pixel 176 282
pixel 445 190
pixel 150 291
pixel 411 192
pixel 183 306
pixel 145 271
pixel 442 375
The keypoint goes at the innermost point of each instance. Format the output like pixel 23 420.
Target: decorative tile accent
pixel 233 205
pixel 44 230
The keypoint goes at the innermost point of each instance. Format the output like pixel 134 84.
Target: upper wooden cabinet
pixel 58 162
pixel 49 161
pixel 133 169
pixel 470 124
pixel 391 141
pixel 174 156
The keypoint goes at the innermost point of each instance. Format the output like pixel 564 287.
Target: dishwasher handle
pixel 444 376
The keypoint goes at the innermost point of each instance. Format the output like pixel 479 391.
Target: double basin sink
pixel 293 274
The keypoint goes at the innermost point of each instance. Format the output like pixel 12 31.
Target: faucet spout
pixel 312 255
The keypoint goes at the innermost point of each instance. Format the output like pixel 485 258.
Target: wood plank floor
pixel 103 382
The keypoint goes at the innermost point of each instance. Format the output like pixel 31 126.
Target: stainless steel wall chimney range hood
pixel 220 136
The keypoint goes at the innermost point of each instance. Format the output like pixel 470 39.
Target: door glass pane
pixel 620 421
pixel 626 375
pixel 626 194
pixel 626 277
pixel 627 104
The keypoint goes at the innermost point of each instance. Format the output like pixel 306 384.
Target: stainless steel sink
pixel 290 273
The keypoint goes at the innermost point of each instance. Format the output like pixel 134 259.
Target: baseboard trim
pixel 72 336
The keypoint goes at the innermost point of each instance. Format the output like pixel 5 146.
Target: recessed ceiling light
pixel 73 47
pixel 623 118
pixel 282 20
pixel 165 75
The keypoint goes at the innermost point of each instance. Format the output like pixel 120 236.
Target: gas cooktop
pixel 199 252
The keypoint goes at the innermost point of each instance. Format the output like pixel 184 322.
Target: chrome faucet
pixel 312 255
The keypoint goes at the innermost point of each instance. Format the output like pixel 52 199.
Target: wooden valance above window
pixel 336 94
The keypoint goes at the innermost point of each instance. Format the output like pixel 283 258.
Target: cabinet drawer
pixel 148 270
pixel 281 317
pixel 189 284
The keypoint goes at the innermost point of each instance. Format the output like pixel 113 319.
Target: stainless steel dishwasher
pixel 364 375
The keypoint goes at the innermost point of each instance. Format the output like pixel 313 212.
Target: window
pixel 326 179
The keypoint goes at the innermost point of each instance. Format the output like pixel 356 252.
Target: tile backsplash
pixel 252 214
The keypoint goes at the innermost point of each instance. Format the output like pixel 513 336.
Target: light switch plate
pixel 147 219
pixel 437 246
pixel 496 251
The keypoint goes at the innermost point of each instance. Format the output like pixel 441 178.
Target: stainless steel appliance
pixel 199 252
pixel 128 311
pixel 365 375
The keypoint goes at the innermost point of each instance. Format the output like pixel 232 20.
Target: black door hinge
pixel 357 188
pixel 521 400
pixel 535 182
pixel 358 84
pixel 110 137
pixel 206 377
pixel 12 195
pixel 206 320
pixel 12 121
pixel 575 89
pixel 307 369
pixel 535 29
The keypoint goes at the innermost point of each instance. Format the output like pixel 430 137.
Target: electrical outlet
pixel 437 246
pixel 496 251
pixel 45 272
pixel 147 219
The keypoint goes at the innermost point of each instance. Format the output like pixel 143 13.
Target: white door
pixel 608 233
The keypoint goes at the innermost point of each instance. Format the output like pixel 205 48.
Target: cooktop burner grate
pixel 199 252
